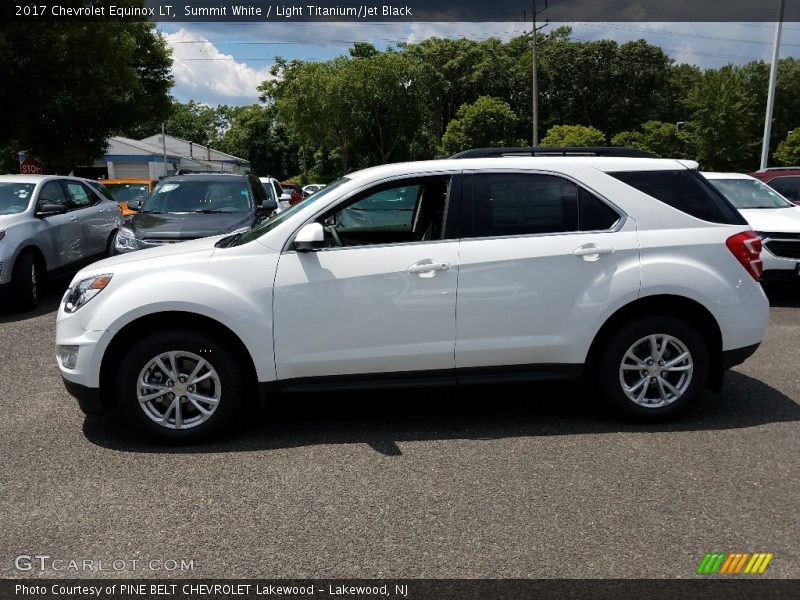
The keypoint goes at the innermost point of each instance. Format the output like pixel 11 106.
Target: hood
pixel 9 220
pixel 783 220
pixel 186 226
pixel 204 246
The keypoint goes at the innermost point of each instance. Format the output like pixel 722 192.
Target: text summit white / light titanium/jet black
pixel 634 272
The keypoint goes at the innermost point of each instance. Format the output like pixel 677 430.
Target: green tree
pixel 195 122
pixel 68 86
pixel 574 135
pixel 488 122
pixel 788 152
pixel 662 139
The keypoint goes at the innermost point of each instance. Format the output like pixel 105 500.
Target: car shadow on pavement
pixel 783 296
pixel 384 419
pixel 49 300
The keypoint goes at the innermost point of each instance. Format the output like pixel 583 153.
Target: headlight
pixel 83 291
pixel 126 241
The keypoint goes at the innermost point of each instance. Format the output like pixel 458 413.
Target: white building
pixel 146 159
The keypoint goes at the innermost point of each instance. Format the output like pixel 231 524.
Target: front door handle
pixel 427 268
pixel 592 252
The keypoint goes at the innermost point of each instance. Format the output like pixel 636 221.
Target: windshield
pixel 202 196
pixel 748 193
pixel 125 192
pixel 14 197
pixel 272 223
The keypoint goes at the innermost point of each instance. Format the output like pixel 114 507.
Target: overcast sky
pixel 223 63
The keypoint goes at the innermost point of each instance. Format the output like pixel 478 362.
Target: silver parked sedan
pixel 50 225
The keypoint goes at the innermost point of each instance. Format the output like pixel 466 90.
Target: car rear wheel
pixel 25 282
pixel 180 386
pixel 653 368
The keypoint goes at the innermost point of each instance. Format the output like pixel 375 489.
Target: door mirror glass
pixel 269 205
pixel 310 237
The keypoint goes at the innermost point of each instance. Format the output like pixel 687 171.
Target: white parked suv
pixel 774 218
pixel 634 272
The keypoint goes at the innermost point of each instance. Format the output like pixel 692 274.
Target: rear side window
pixel 595 215
pixel 685 190
pixel 518 204
pixel 788 186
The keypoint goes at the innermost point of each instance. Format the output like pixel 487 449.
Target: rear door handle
pixel 427 267
pixel 592 252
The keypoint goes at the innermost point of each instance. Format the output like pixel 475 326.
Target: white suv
pixel 634 272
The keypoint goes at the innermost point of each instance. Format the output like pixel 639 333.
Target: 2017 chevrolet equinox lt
pixel 635 272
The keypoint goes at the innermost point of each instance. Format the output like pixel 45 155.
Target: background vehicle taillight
pixel 746 247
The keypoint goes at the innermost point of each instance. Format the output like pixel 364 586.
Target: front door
pixel 381 298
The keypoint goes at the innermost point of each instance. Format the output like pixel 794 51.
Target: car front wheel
pixel 654 367
pixel 180 386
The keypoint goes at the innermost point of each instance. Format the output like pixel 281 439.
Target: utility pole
pixel 773 78
pixel 535 74
pixel 164 148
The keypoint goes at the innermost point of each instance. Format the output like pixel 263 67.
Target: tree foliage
pixel 788 152
pixel 663 139
pixel 68 86
pixel 574 135
pixel 487 122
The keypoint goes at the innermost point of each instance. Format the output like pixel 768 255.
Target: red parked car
pixel 294 190
pixel 784 180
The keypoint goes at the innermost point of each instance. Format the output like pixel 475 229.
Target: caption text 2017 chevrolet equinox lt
pixel 635 272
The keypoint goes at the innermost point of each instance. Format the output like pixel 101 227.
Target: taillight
pixel 746 247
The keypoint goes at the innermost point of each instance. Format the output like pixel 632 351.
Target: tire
pixel 225 385
pixel 111 249
pixel 664 393
pixel 25 282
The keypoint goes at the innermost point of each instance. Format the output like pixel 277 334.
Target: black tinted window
pixel 788 186
pixel 686 190
pixel 53 193
pixel 519 204
pixel 595 214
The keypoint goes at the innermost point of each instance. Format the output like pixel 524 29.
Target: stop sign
pixel 29 166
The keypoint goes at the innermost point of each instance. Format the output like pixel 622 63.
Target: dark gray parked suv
pixel 187 207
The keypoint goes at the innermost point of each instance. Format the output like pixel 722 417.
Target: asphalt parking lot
pixel 529 481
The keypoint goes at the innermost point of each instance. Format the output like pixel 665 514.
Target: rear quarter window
pixel 685 190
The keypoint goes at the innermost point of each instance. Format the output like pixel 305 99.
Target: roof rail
pixel 539 151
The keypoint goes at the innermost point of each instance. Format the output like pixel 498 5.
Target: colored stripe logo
pixel 734 563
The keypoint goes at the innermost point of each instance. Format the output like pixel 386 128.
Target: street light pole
pixel 535 74
pixel 773 78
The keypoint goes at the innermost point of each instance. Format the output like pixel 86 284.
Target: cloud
pixel 204 73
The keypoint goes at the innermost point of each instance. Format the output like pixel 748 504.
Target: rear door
pixel 541 261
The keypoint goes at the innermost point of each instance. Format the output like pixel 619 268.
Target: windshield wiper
pixel 209 211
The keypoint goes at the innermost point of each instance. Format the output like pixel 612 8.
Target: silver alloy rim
pixel 656 371
pixel 34 290
pixel 178 390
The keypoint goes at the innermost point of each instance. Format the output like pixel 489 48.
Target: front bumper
pixel 731 358
pixel 89 399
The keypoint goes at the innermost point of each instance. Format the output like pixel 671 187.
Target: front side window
pixel 14 197
pixel 789 187
pixel 405 211
pixel 506 204
pixel 52 193
pixel 199 196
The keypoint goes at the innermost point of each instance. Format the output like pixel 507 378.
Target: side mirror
pixel 47 209
pixel 286 197
pixel 310 237
pixel 134 205
pixel 269 205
